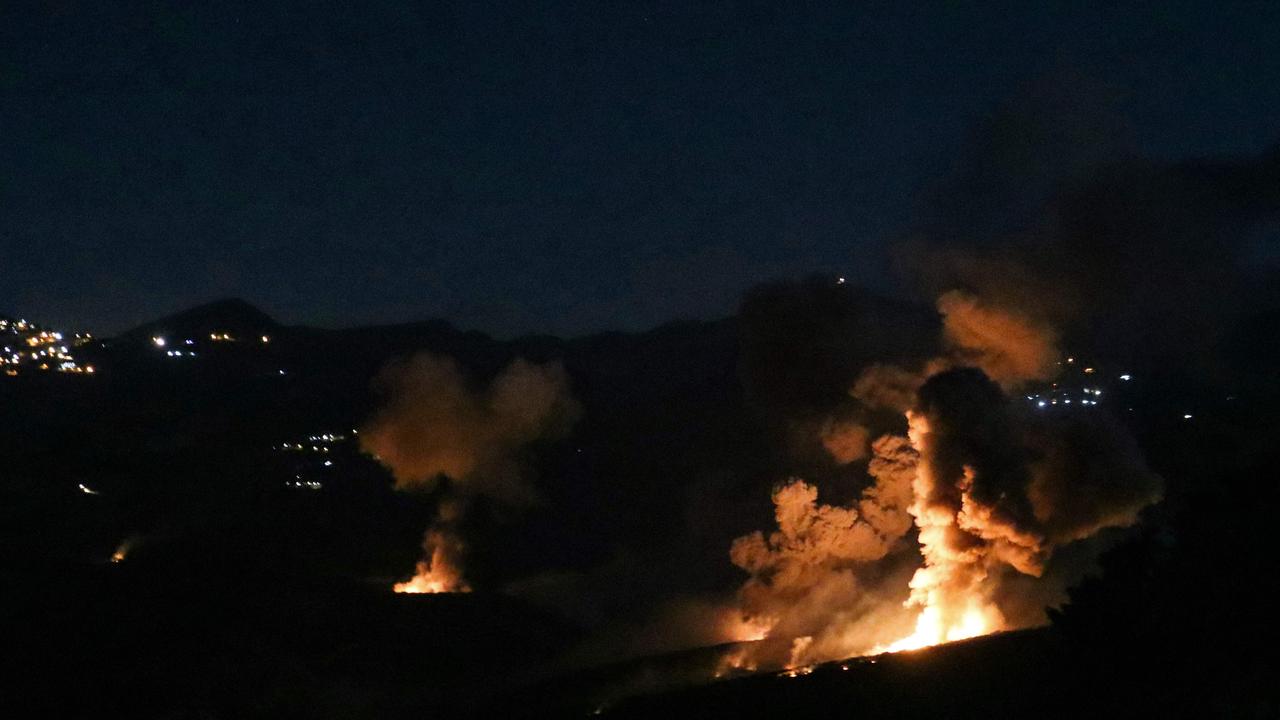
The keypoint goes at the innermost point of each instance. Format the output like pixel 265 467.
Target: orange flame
pixel 436 575
pixel 947 587
pixel 932 629
pixel 123 550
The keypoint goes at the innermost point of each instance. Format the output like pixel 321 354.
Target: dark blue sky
pixel 558 167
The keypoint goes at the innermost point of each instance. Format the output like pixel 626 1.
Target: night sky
pixel 551 167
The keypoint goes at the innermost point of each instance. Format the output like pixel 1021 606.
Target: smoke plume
pixel 845 441
pixel 434 424
pixel 1139 259
pixel 814 564
pixel 1009 346
pixel 992 488
pixel 996 486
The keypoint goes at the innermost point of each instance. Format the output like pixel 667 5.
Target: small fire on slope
pixel 123 549
pixel 439 573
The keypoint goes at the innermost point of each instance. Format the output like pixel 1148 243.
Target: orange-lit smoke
pixel 991 488
pixel 810 566
pixel 948 590
pixel 997 487
pixel 434 424
pixel 1009 346
pixel 845 441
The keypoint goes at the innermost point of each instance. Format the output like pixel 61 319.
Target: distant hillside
pixel 233 316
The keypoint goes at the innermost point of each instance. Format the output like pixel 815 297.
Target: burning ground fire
pixel 990 489
pixel 437 573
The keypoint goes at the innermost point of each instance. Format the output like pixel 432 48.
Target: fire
pixel 122 550
pixel 738 659
pixel 429 584
pixel 946 588
pixel 749 629
pixel 436 575
pixel 932 629
pixel 991 492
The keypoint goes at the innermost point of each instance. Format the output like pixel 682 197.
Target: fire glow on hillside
pixel 437 572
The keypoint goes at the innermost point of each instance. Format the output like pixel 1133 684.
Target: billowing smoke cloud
pixel 997 485
pixel 1010 347
pixel 1053 236
pixel 435 425
pixel 992 487
pixel 1007 345
pixel 844 440
pixel 813 566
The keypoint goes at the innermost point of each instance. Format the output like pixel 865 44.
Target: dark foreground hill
pixel 1036 673
pixel 212 635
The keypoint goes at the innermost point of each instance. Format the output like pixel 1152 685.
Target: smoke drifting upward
pixel 845 441
pixel 434 425
pixel 1136 259
pixel 993 490
pixel 1009 346
pixel 811 567
pixel 996 487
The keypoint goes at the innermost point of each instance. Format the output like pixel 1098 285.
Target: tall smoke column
pixel 433 424
pixel 996 487
pixel 993 489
